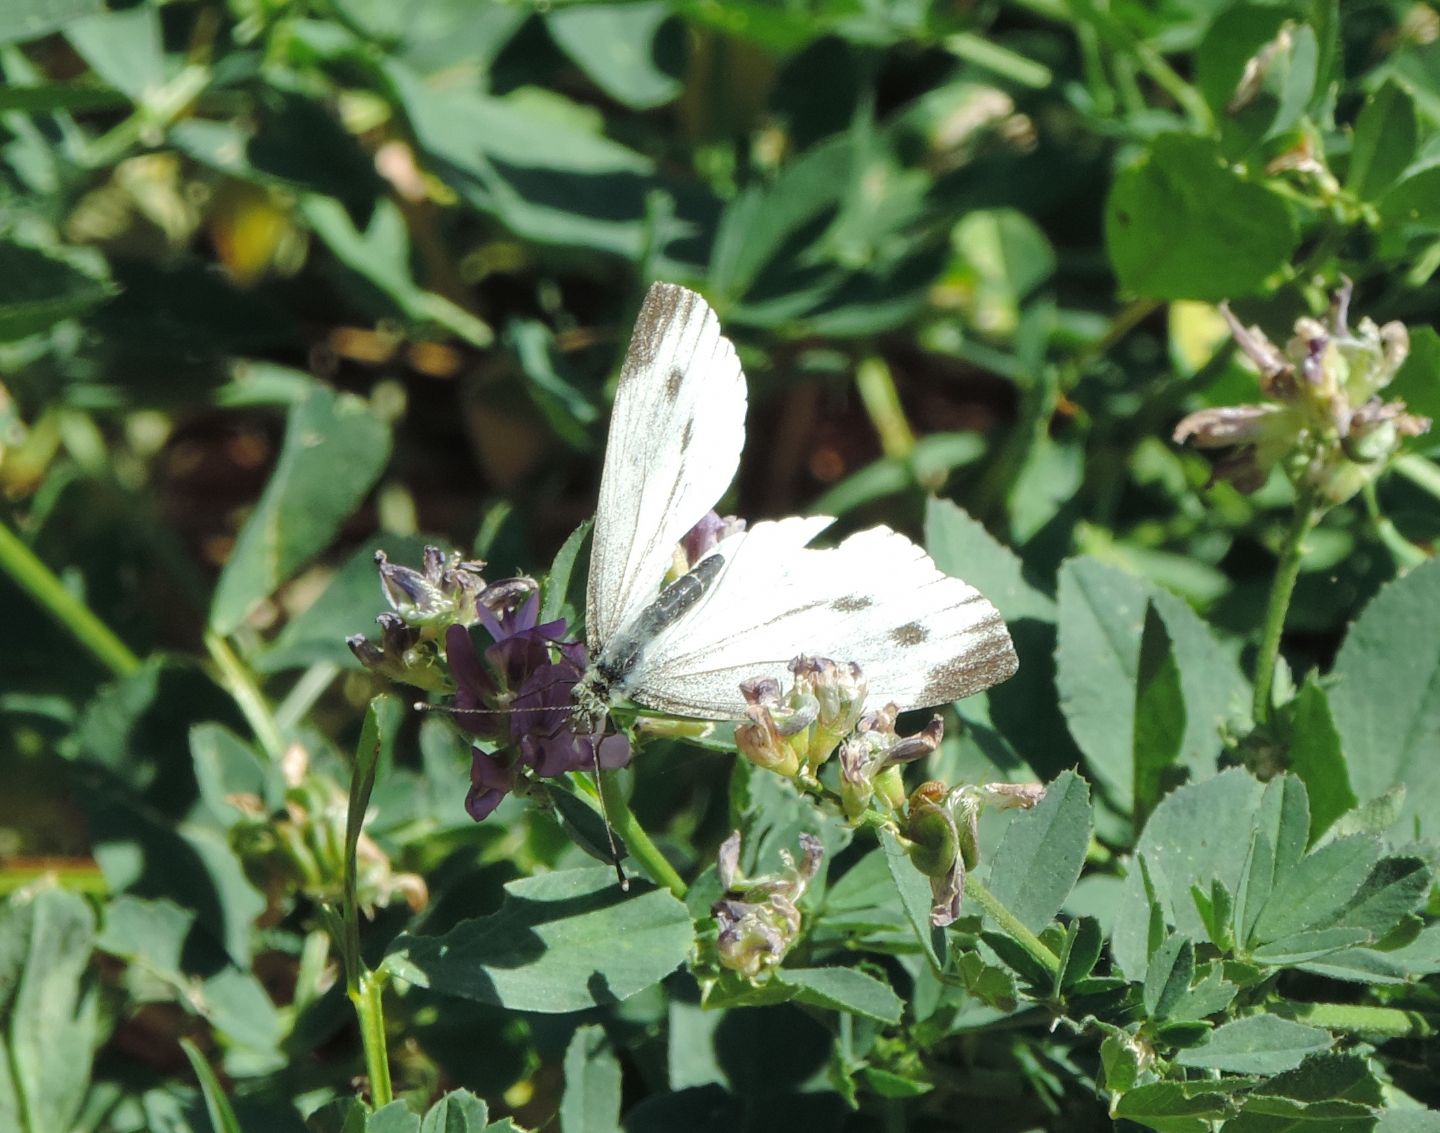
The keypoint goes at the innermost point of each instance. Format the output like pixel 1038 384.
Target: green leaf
pixel 48 1008
pixel 591 1102
pixel 397 1117
pixel 538 163
pixel 459 1111
pixel 1181 225
pixel 1039 859
pixel 195 867
pixel 1199 833
pixel 1384 142
pixel 843 989
pixel 1211 995
pixel 1386 696
pixel 1394 889
pixel 217 1105
pixel 1172 1108
pixel 1101 622
pixel 1159 714
pixel 915 896
pixel 22 20
pixel 381 255
pixel 334 450
pixel 617 46
pixel 1322 1078
pixel 38 289
pixel 1408 1121
pixel 554 389
pixel 1083 942
pixel 557 581
pixel 124 48
pixel 1313 892
pixel 1257 1044
pixel 1308 944
pixel 538 952
pixel 962 547
pixel 1257 881
pixel 1315 757
pixel 762 222
pixel 1412 202
pixel 1417 383
pixel 1168 977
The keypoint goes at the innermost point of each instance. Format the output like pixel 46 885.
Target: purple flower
pixel 514 694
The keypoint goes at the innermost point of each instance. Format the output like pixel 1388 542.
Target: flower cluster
pixel 422 603
pixel 795 733
pixel 514 693
pixel 511 676
pixel 1325 422
pixel 758 918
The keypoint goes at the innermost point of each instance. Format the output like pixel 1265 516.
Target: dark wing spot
pixel 852 602
pixel 911 633
pixel 988 662
pixel 673 381
pixel 686 434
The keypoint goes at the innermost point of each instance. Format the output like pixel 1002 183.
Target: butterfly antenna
pixel 605 817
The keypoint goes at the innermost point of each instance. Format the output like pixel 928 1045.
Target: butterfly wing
pixel 676 432
pixel 921 637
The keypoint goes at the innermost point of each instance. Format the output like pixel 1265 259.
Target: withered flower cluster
pixel 757 917
pixel 795 732
pixel 1325 423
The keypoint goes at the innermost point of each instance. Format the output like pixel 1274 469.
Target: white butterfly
pixel 762 596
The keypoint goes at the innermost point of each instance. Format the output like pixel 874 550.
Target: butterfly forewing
pixel 921 637
pixel 676 433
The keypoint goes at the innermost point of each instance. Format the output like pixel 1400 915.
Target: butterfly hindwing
pixel 921 637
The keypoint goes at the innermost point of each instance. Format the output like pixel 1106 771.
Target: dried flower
pixel 444 591
pixel 758 918
pixel 871 758
pixel 1326 424
pixel 795 733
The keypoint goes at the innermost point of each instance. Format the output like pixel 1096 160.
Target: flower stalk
pixel 1282 589
pixel 76 618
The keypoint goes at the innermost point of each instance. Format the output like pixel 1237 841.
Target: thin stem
pixel 651 860
pixel 1307 514
pixel 1012 927
pixel 365 994
pixel 76 618
pixel 241 685
pixel 1405 553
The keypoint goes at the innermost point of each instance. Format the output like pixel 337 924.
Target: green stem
pixel 1307 514
pixel 1405 553
pixel 241 685
pixel 369 1009
pixel 1012 927
pixel 1420 471
pixel 1359 1019
pixel 641 848
pixel 40 582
